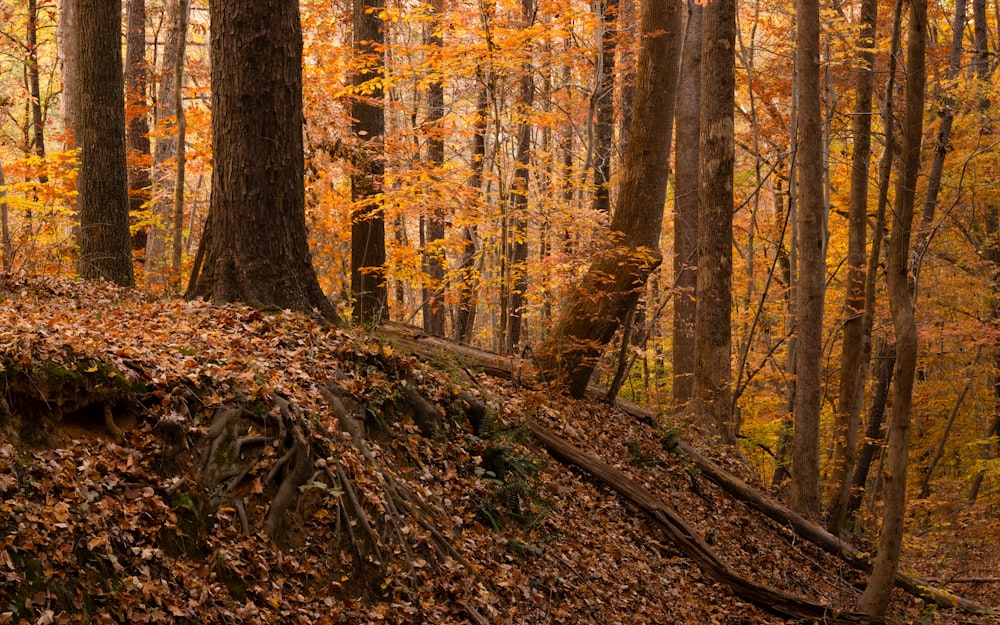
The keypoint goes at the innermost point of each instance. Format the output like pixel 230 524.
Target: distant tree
pixel 371 303
pixel 600 302
pixel 433 225
pixel 136 114
pixel 102 201
pixel 255 249
pixel 66 36
pixel 167 157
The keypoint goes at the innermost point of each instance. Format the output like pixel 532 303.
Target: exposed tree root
pixel 685 538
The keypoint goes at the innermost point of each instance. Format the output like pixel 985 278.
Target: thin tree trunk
pixel 925 481
pixel 518 235
pixel 368 280
pixel 136 117
pixel 37 116
pixel 67 44
pixel 855 338
pixel 6 244
pixel 686 213
pixel 603 104
pixel 434 256
pixel 874 439
pixel 877 595
pixel 466 314
pixel 812 265
pixel 166 153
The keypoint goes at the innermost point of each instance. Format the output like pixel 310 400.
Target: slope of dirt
pixel 174 461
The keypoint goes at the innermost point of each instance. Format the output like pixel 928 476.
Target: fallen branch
pixel 689 543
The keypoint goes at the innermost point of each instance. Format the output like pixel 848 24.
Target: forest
pixel 765 229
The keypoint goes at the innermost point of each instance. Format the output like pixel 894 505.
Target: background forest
pixel 500 157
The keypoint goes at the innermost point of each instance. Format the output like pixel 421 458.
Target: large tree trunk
pixel 686 212
pixel 855 338
pixel 434 257
pixel 254 249
pixel 811 286
pixel 598 305
pixel 136 115
pixel 368 280
pixel 713 324
pixel 876 597
pixel 103 180
pixel 170 117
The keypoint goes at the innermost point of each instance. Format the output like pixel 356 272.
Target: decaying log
pixel 689 543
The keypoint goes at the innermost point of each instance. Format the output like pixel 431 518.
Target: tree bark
pixel 6 244
pixel 465 316
pixel 855 339
pixel 713 323
pixel 255 248
pixel 686 213
pixel 368 280
pixel 136 116
pixel 37 115
pixel 876 597
pixel 598 305
pixel 102 197
pixel 811 285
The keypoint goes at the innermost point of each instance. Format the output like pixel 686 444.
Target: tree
pixel 597 306
pixel 713 325
pixel 875 599
pixel 856 340
pixel 686 212
pixel 371 302
pixel 433 224
pixel 168 154
pixel 103 236
pixel 67 43
pixel 136 114
pixel 812 265
pixel 254 248
pixel 602 103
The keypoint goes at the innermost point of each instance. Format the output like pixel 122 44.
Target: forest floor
pixel 165 460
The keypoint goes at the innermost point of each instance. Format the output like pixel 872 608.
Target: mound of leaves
pixel 165 460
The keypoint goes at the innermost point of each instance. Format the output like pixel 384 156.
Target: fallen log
pixel 689 543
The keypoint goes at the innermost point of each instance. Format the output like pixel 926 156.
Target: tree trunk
pixel 102 197
pixel 855 338
pixel 136 115
pixel 603 104
pixel 876 597
pixel 885 362
pixel 434 256
pixel 169 116
pixel 518 244
pixel 465 317
pixel 37 116
pixel 66 34
pixel 713 324
pixel 254 249
pixel 368 279
pixel 6 244
pixel 615 279
pixel 686 213
pixel 811 284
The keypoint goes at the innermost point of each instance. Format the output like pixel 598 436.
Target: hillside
pixel 175 461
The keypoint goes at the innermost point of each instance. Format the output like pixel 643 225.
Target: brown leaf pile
pixel 96 531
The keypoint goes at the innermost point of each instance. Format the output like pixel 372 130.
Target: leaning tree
pixel 598 305
pixel 254 248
